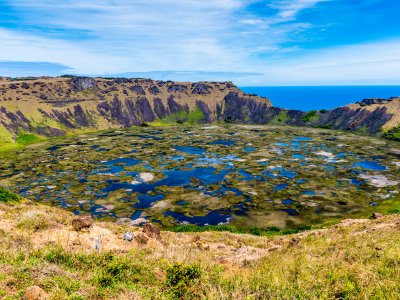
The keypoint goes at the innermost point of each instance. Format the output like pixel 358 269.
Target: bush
pixel 181 278
pixel 393 134
pixel 7 196
pixel 311 116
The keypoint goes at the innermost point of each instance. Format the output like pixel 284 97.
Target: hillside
pixel 46 106
pixel 55 106
pixel 356 259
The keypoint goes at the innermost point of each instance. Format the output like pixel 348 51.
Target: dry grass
pixel 356 259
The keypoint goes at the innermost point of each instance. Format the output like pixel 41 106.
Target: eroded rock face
pixel 138 89
pixel 201 89
pixel 84 102
pixel 80 84
pixel 177 88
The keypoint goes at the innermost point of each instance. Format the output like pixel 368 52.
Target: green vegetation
pixel 311 116
pixel 279 119
pixel 269 231
pixel 26 138
pixel 328 126
pixel 182 117
pixel 8 197
pixel 393 134
pixel 180 279
pixel 352 260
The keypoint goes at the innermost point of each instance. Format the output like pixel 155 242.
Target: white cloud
pixel 368 63
pixel 288 9
pixel 120 36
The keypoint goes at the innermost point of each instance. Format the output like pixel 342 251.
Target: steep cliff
pixel 55 106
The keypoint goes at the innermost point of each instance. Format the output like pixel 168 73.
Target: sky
pixel 249 42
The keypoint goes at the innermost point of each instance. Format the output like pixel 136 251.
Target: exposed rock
pixel 201 89
pixel 80 84
pixel 177 88
pixel 128 236
pixel 35 293
pixel 154 90
pixel 152 231
pixel 377 216
pixel 138 89
pixel 82 223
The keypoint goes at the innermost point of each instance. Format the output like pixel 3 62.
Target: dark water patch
pixel 113 185
pixel 145 201
pixel 291 212
pixel 370 165
pixel 223 142
pixel 56 147
pixel 184 177
pixel 190 150
pixel 212 218
pixel 136 215
pixel 280 187
pixel 287 201
pixel 309 193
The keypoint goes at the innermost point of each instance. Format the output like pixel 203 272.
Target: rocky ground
pixel 48 253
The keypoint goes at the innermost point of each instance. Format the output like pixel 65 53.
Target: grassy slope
pixel 357 259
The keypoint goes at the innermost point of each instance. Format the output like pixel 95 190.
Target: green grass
pixel 26 138
pixel 311 116
pixel 270 231
pixel 358 261
pixel 182 117
pixel 8 197
pixel 279 119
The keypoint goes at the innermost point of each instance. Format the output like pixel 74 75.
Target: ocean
pixel 308 98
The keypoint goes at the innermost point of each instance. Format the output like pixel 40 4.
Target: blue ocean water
pixel 320 97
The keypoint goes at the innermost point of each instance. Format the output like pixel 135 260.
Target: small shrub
pixel 7 196
pixel 393 134
pixel 180 279
pixel 311 116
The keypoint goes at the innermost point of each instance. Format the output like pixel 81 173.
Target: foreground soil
pixel 356 259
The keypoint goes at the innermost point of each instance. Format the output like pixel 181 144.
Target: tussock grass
pixel 352 260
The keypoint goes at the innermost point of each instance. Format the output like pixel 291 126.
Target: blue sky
pixel 251 42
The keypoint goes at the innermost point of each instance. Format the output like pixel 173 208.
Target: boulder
pixel 377 216
pixel 82 222
pixel 152 231
pixel 128 236
pixel 35 293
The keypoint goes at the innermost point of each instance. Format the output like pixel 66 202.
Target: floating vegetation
pixel 246 176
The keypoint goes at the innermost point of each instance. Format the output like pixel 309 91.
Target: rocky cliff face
pixel 55 106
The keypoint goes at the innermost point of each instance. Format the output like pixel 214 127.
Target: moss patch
pixel 27 138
